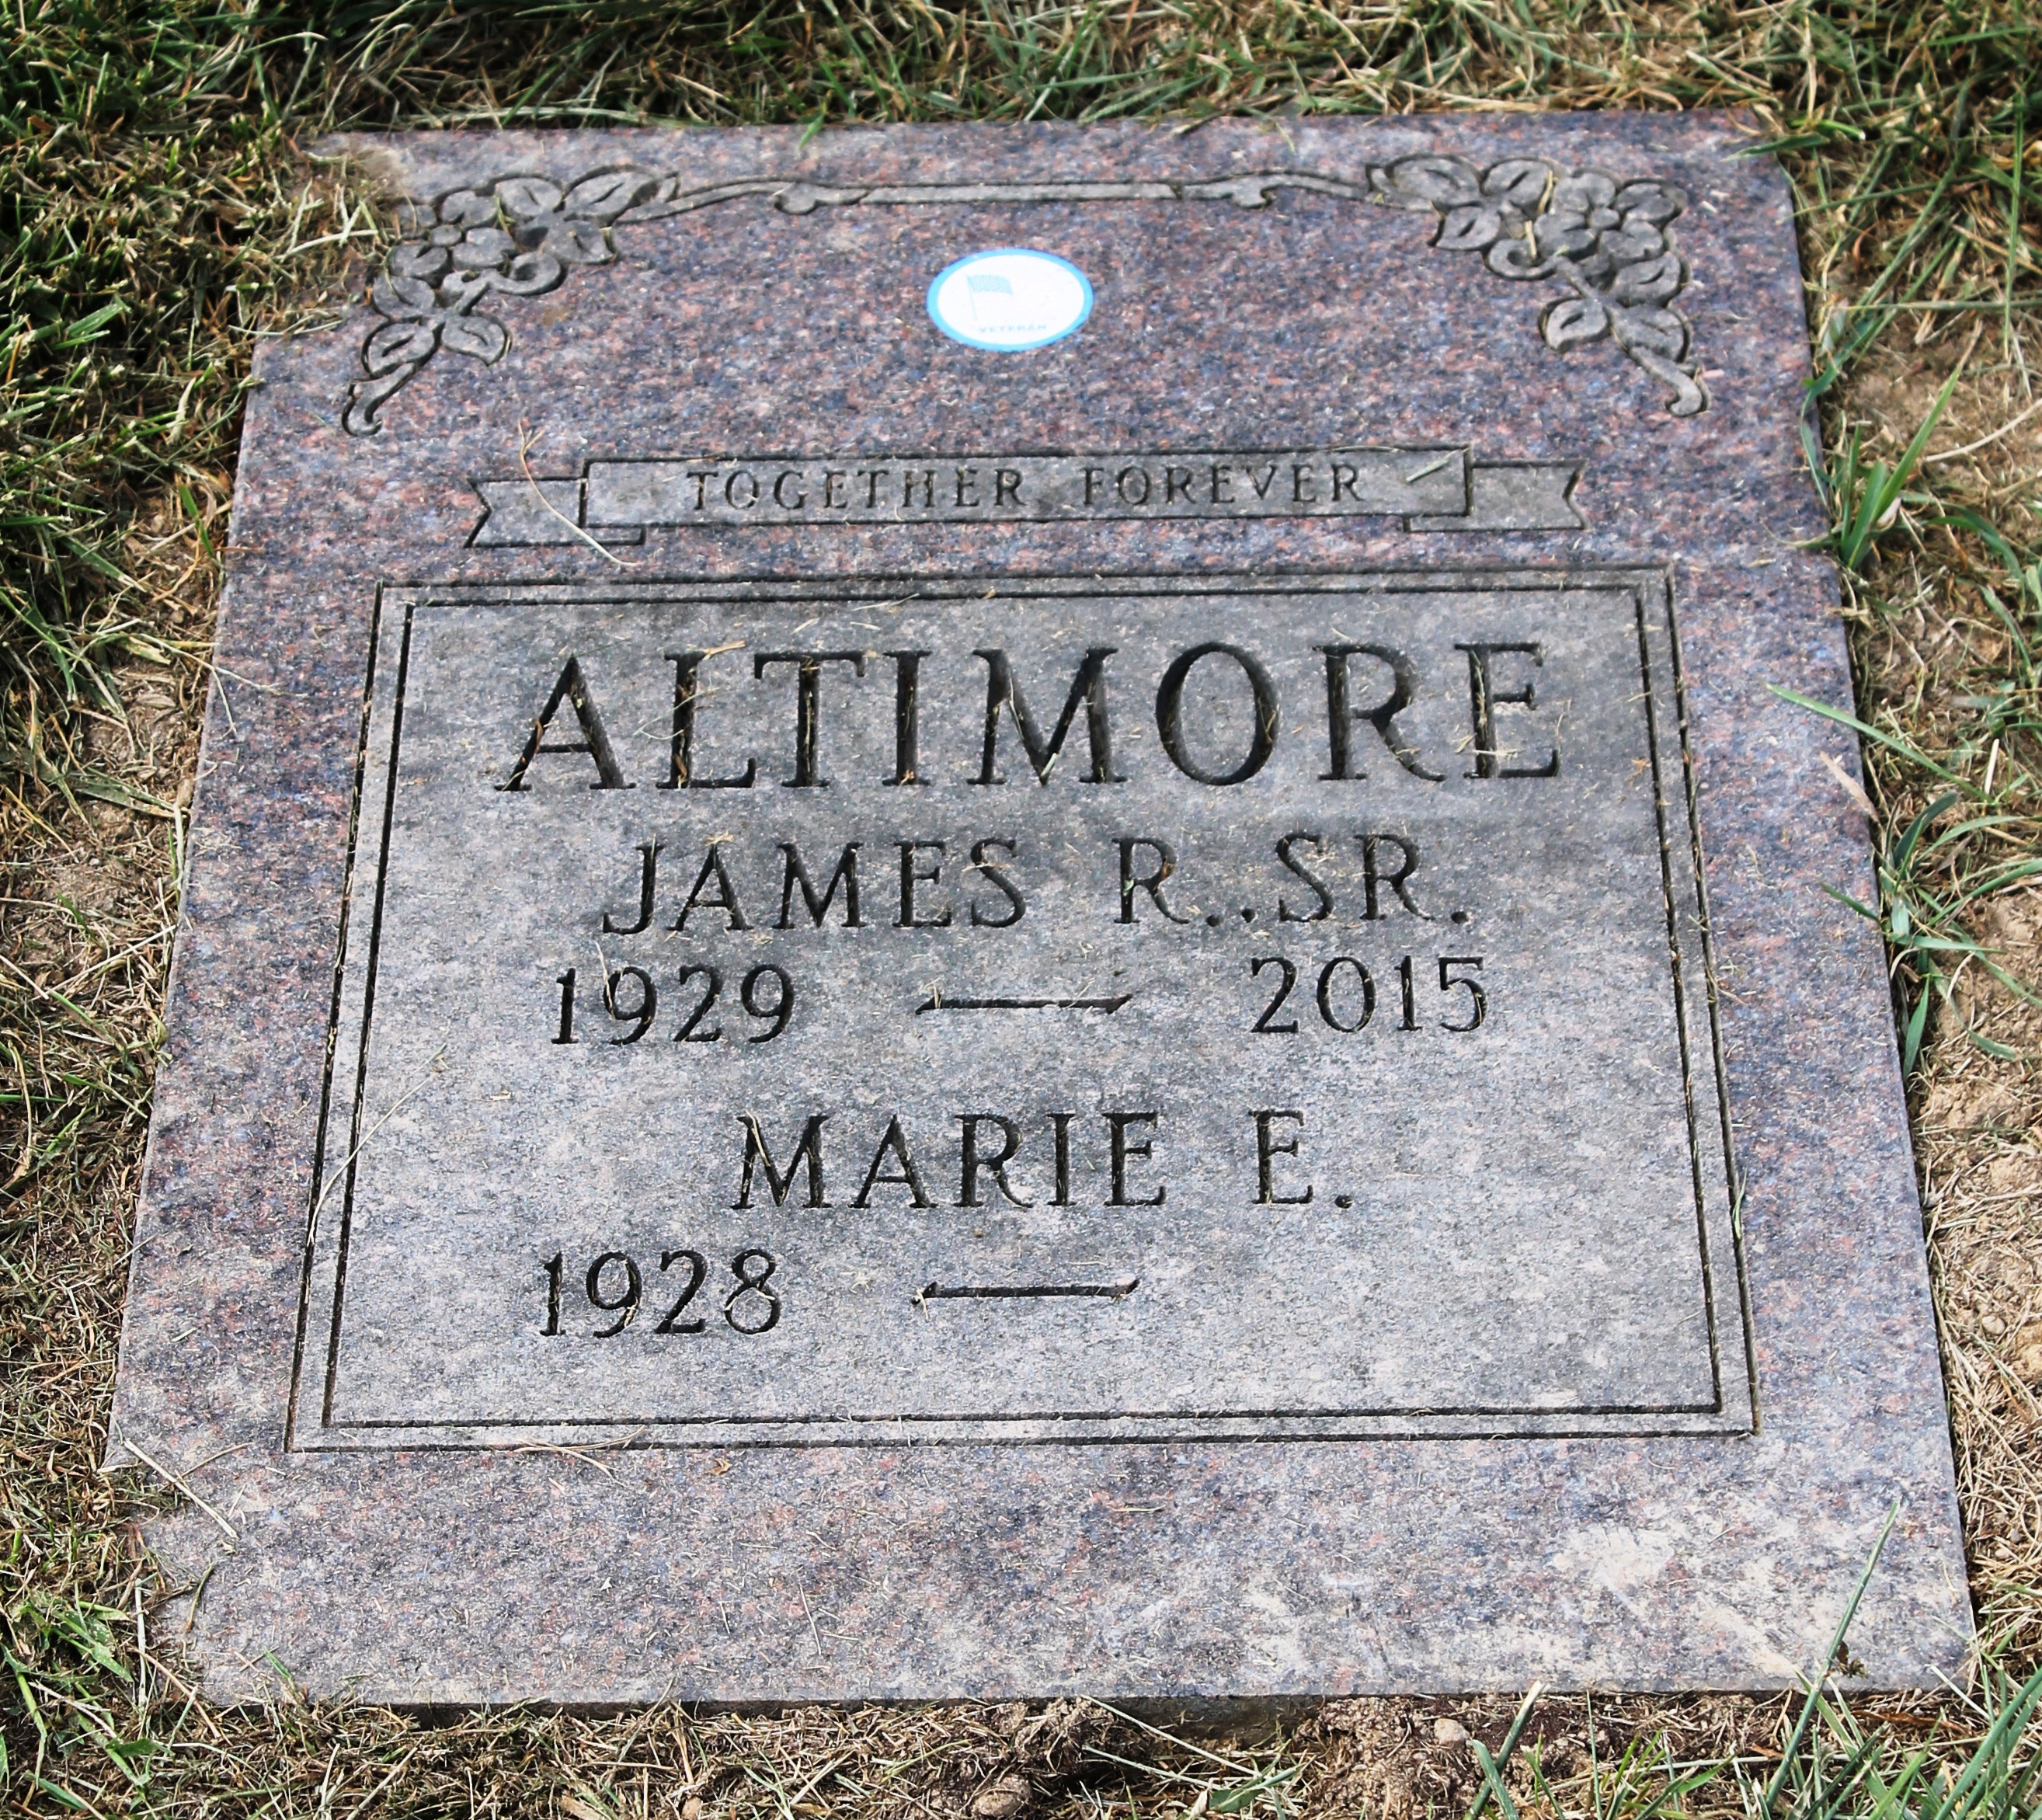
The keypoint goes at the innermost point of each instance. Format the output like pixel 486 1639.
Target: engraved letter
pixel 1170 715
pixel 1372 877
pixel 573 689
pixel 907 717
pixel 1088 687
pixel 1267 1151
pixel 994 873
pixel 911 876
pixel 725 898
pixel 1116 1124
pixel 896 1144
pixel 794 873
pixel 1011 1136
pixel 680 763
pixel 809 1151
pixel 1341 714
pixel 1166 863
pixel 1484 699
pixel 1284 913
pixel 807 705
pixel 1060 1126
pixel 649 864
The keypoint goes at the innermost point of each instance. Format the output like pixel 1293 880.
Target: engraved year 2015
pixel 1345 994
pixel 633 1000
pixel 615 1284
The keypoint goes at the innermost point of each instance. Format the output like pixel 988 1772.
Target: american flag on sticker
pixel 981 285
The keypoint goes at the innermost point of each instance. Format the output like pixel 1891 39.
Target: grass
pixel 157 217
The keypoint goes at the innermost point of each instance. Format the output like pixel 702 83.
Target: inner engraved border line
pixel 1635 580
pixel 354 1137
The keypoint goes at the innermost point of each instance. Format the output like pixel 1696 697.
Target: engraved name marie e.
pixel 1441 489
pixel 1604 242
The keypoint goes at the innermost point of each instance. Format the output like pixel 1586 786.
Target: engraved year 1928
pixel 615 1284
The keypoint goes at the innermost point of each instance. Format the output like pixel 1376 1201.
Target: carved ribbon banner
pixel 1428 489
pixel 1605 243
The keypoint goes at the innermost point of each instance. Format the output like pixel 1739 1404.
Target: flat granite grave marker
pixel 987 912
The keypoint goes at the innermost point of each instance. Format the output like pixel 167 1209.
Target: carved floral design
pixel 1607 242
pixel 516 237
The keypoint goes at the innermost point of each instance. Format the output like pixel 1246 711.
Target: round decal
pixel 1010 299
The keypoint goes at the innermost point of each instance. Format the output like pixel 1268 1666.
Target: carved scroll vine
pixel 1607 242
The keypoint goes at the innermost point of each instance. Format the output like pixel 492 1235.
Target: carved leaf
pixel 483 337
pixel 607 194
pixel 467 208
pixel 1658 203
pixel 577 242
pixel 1469 228
pixel 460 290
pixel 425 262
pixel 647 207
pixel 1561 233
pixel 483 249
pixel 1520 182
pixel 1443 180
pixel 1630 243
pixel 1594 267
pixel 529 273
pixel 1663 332
pixel 1650 281
pixel 1582 192
pixel 399 344
pixel 1574 320
pixel 528 196
pixel 401 297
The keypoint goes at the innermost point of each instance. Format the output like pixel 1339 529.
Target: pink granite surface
pixel 1178 1573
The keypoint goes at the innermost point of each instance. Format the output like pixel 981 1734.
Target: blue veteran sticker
pixel 1009 298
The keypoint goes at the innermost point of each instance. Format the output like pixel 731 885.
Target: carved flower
pixel 1613 238
pixel 1529 219
pixel 421 322
pixel 1476 209
pixel 571 225
pixel 429 289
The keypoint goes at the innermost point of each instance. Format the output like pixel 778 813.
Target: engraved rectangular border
pixel 1735 1409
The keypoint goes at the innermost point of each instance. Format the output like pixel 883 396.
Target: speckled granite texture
pixel 1595 324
